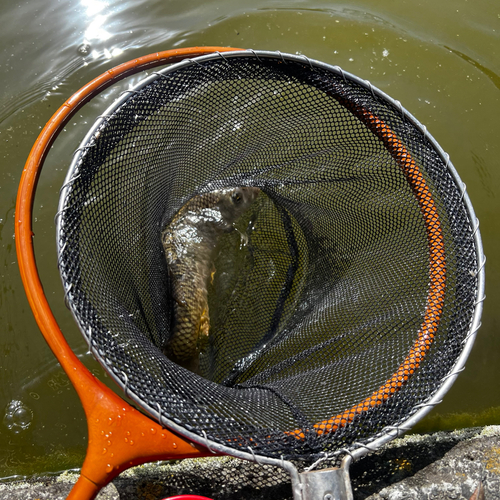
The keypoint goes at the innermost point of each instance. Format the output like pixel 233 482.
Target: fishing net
pixel 339 305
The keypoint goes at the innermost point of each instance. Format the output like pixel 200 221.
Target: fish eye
pixel 236 197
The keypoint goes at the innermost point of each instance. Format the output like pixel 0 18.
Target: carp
pixel 189 243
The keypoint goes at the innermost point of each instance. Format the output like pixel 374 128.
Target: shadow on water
pixel 484 174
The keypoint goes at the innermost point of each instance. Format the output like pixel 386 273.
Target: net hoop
pixel 437 271
pixel 36 297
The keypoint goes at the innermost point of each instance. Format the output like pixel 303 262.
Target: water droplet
pixel 109 468
pixel 104 451
pixel 84 49
pixel 153 430
pixel 174 445
pixel 131 443
pixel 18 417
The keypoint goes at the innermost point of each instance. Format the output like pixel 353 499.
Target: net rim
pixel 356 449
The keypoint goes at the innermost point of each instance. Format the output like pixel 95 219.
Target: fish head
pixel 234 202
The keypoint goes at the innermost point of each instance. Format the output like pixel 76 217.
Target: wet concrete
pixel 439 466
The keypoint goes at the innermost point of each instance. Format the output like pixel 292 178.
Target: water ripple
pixel 43 87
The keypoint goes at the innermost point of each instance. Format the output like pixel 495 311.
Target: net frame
pixel 357 449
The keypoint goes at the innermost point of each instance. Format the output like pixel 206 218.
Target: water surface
pixel 440 59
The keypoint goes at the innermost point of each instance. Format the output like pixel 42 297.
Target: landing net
pixel 340 305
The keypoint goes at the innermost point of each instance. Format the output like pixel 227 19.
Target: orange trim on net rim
pixel 437 277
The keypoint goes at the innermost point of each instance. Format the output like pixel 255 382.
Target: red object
pixel 187 497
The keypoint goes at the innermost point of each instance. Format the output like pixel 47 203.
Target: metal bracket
pixel 326 484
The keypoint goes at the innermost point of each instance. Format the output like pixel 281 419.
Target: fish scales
pixel 189 242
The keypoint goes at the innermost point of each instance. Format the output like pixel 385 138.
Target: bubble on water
pixel 18 417
pixel 84 49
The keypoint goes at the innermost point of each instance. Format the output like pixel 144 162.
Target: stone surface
pixel 454 476
pixel 440 466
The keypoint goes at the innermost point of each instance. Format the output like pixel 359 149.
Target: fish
pixel 189 244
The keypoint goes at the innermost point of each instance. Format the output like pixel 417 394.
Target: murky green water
pixel 440 59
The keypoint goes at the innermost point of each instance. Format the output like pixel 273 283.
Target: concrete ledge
pixel 443 465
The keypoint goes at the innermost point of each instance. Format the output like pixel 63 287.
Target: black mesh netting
pixel 321 308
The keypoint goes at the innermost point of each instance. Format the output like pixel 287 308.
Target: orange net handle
pixel 119 435
pixel 437 276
